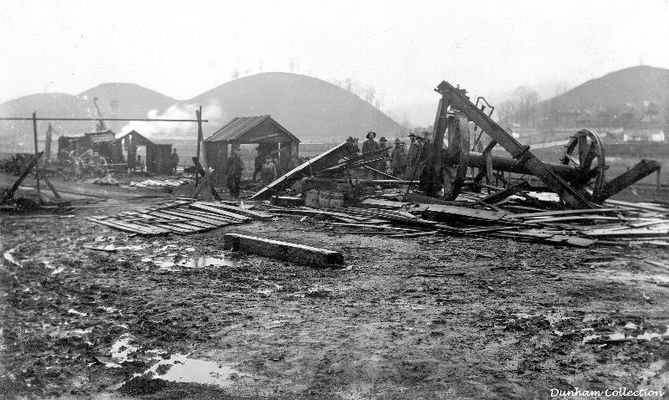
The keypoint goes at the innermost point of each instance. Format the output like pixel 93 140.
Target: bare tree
pixel 370 94
pixel 506 111
pixel 235 73
pixel 527 101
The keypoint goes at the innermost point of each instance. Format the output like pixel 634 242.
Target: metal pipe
pixel 477 160
pixel 106 119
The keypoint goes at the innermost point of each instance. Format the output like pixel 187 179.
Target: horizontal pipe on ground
pixel 297 253
pixel 477 160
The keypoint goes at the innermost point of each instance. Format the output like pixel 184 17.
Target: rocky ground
pixel 176 317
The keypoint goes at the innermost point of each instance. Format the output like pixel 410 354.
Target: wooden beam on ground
pixel 510 191
pixel 467 212
pixel 310 167
pixel 570 212
pixel 52 188
pixel 293 252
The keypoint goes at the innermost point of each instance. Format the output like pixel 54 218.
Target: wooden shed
pixel 156 156
pixel 262 130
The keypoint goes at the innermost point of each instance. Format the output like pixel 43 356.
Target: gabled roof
pixel 240 126
pixel 134 133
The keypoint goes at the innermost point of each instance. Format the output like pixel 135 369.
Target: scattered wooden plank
pixel 239 210
pixel 503 194
pixel 393 205
pixel 628 233
pixel 466 212
pixel 128 227
pixel 413 235
pixel 640 206
pixel 293 252
pixel 571 212
pixel 192 218
pixel 372 226
pixel 212 216
pixel 215 210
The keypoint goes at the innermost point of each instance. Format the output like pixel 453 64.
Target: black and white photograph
pixel 346 200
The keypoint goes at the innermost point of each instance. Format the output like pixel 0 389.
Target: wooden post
pixel 198 114
pixel 293 252
pixel 433 163
pixel 37 171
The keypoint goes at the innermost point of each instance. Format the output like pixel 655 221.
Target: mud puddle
pixel 177 368
pixel 172 261
pixel 630 332
pixel 181 368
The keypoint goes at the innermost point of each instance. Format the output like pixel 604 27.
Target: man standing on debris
pixel 412 157
pixel 268 172
pixel 233 171
pixel 369 146
pixel 399 159
pixel 174 158
pixel 352 146
pixel 382 165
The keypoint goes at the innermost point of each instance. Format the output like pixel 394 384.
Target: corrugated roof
pixel 239 126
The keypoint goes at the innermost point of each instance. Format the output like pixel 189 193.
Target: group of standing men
pixel 265 165
pixel 401 162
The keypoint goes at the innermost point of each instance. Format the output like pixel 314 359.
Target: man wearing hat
pixel 352 146
pixel 370 145
pixel 412 156
pixel 233 172
pixel 383 164
pixel 398 163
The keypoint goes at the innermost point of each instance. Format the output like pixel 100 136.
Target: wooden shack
pixel 262 130
pixel 156 157
pixel 120 150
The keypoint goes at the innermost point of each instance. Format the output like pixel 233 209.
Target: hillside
pixel 314 110
pixel 121 100
pixel 630 97
pixel 309 107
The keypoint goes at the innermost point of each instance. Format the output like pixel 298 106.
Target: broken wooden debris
pixel 161 183
pixel 293 252
pixel 466 212
pixel 180 217
pixel 317 163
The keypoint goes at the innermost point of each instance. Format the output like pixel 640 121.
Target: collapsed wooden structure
pixel 579 178
pixel 120 150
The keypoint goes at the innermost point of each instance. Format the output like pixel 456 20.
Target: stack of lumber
pixel 180 217
pixel 158 183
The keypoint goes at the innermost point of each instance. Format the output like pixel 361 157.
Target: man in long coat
pixel 412 158
pixel 368 146
pixel 399 159
pixel 233 172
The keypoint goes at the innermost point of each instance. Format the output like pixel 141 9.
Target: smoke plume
pixel 166 130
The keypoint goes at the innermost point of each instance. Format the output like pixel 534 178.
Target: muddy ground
pixel 422 318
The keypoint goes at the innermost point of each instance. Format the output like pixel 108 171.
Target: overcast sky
pixel 403 48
